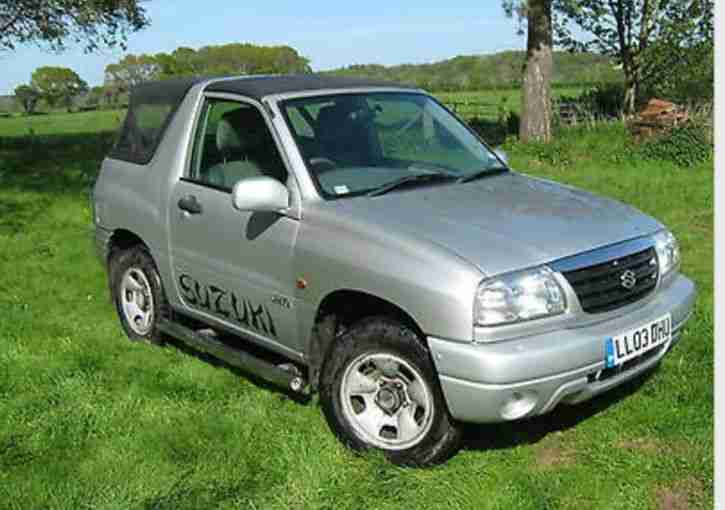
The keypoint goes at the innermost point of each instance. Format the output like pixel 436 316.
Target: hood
pixel 504 222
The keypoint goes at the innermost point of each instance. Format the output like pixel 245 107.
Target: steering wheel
pixel 326 163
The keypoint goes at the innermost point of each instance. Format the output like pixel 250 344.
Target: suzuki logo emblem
pixel 628 279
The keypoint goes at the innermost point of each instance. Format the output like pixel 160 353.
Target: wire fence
pixel 468 109
pixel 567 113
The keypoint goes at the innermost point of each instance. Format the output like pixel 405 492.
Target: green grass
pixel 61 123
pixel 507 100
pixel 88 419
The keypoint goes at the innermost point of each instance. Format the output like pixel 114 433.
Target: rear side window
pixel 150 110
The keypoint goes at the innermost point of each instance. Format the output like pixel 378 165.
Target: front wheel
pixel 379 390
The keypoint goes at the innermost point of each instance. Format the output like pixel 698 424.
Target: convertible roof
pixel 151 107
pixel 153 104
pixel 260 86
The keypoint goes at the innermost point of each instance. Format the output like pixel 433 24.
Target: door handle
pixel 190 204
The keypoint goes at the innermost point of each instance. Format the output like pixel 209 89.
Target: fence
pixel 569 112
pixel 469 109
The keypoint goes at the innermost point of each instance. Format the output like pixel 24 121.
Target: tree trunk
pixel 630 97
pixel 536 91
pixel 632 79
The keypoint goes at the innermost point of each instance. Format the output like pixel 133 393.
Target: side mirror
pixel 502 155
pixel 260 194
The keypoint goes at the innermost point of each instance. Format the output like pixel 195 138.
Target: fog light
pixel 518 405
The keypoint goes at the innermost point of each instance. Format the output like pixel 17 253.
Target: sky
pixel 329 33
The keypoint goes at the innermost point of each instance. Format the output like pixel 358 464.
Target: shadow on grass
pixel 563 417
pixel 54 164
pixel 249 348
pixel 476 437
pixel 17 212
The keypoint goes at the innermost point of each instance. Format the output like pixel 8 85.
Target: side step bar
pixel 235 357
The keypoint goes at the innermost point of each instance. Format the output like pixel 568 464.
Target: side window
pixel 232 142
pixel 142 131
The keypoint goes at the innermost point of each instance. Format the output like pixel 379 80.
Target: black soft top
pixel 259 86
pixel 174 90
pixel 152 105
pixel 170 91
pixel 151 108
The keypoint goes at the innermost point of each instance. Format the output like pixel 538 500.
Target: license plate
pixel 637 341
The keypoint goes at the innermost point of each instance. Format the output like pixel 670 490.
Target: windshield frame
pixel 282 103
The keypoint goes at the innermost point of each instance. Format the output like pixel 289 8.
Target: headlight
pixel 668 252
pixel 517 297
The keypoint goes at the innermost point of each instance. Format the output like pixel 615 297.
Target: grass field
pixel 90 420
pixel 88 122
pixel 61 123
pixel 507 100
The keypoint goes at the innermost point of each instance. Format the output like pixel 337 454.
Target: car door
pixel 229 266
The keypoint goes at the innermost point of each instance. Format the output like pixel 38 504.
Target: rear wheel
pixel 138 294
pixel 379 390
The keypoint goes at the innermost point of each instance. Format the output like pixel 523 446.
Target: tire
pixel 379 390
pixel 134 280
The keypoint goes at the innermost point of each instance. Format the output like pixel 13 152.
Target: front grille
pixel 600 288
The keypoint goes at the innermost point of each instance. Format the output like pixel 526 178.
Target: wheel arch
pixel 341 308
pixel 123 239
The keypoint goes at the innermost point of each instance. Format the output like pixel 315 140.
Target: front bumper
pixel 529 376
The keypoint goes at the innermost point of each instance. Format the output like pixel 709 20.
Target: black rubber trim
pixel 215 187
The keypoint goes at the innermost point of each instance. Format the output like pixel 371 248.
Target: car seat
pixel 345 135
pixel 239 134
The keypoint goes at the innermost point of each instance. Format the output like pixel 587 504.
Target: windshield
pixel 369 142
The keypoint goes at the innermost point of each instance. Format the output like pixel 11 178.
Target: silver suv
pixel 357 239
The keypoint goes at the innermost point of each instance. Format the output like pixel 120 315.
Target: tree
pixel 132 70
pixel 94 96
pixel 58 85
pixel 228 59
pixel 536 88
pixel 498 70
pixel 627 29
pixel 54 23
pixel 28 98
pixel 679 64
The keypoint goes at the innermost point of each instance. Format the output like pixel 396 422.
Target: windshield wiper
pixel 410 179
pixel 485 172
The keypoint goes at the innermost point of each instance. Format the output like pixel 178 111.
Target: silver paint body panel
pixel 424 250
pixel 477 378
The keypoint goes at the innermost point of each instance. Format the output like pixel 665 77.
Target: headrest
pixel 240 129
pixel 343 117
pixel 333 120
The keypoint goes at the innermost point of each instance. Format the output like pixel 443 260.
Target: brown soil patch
pixel 679 496
pixel 640 444
pixel 669 499
pixel 554 454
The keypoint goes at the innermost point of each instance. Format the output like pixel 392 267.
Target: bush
pixel 603 100
pixel 509 122
pixel 686 146
pixel 495 132
pixel 557 153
